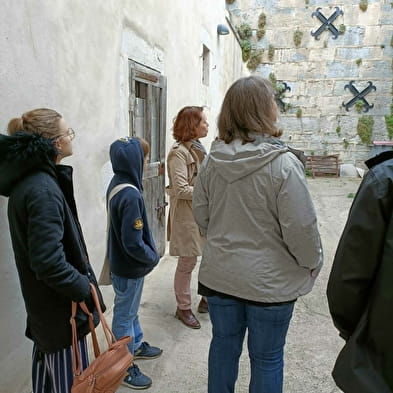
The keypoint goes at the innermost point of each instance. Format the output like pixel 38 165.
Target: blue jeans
pixel 128 292
pixel 267 329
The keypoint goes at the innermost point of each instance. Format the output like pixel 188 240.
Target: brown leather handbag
pixel 107 371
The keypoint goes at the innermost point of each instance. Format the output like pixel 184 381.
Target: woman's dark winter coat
pixel 360 287
pixel 50 252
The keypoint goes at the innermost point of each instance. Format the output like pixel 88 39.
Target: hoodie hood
pixel 21 154
pixel 234 161
pixel 127 160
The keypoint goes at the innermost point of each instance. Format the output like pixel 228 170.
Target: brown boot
pixel 203 306
pixel 188 318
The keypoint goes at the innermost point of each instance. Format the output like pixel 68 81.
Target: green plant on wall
pixel 270 52
pixel 244 31
pixel 230 1
pixel 365 129
pixel 363 4
pixel 279 91
pixel 345 143
pixel 297 38
pixel 299 113
pixel 359 106
pixel 389 122
pixel 261 26
pixel 338 128
pixel 358 62
pixel 262 21
pixel 255 59
pixel 341 29
pixel 260 33
pixel 391 41
pixel 273 79
pixel 246 49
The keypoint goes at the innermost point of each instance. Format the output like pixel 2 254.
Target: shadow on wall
pixel 15 359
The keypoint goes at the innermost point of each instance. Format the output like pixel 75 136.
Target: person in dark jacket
pixel 360 290
pixel 132 252
pixel 47 240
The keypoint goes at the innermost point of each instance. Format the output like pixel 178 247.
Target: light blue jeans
pixel 267 330
pixel 128 292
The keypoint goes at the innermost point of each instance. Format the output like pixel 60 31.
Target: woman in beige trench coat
pixel 186 242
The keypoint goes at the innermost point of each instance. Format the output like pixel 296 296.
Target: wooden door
pixel 147 112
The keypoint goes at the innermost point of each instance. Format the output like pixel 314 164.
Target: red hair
pixel 186 122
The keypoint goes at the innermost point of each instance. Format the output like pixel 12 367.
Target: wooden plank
pixel 146 76
pixel 323 165
pixel 383 143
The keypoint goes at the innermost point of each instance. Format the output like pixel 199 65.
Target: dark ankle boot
pixel 203 306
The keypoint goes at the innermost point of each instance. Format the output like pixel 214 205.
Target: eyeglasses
pixel 70 132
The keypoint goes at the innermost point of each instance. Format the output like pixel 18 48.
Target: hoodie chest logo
pixel 138 224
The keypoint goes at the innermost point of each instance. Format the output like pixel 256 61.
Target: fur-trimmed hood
pixel 22 154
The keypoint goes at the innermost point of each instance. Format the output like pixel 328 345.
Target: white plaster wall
pixel 71 55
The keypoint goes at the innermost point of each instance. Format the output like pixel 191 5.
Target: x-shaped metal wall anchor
pixel 327 24
pixel 281 88
pixel 359 96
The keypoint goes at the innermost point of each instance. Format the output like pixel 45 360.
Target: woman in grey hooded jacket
pixel 263 248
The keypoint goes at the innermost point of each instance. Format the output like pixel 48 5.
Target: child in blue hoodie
pixel 132 253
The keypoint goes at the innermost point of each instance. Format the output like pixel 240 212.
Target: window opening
pixel 205 65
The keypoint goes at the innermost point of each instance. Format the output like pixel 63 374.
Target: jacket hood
pixel 22 154
pixel 384 156
pixel 127 160
pixel 234 161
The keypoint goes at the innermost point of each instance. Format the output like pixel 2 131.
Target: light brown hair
pixel 42 121
pixel 145 146
pixel 248 107
pixel 186 122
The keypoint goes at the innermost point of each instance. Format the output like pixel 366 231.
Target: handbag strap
pixel 110 338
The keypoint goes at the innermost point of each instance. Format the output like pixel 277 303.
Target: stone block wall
pixel 318 70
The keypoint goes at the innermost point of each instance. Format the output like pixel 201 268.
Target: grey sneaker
pixel 135 379
pixel 146 351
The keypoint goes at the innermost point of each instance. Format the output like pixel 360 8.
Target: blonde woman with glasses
pixel 50 253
